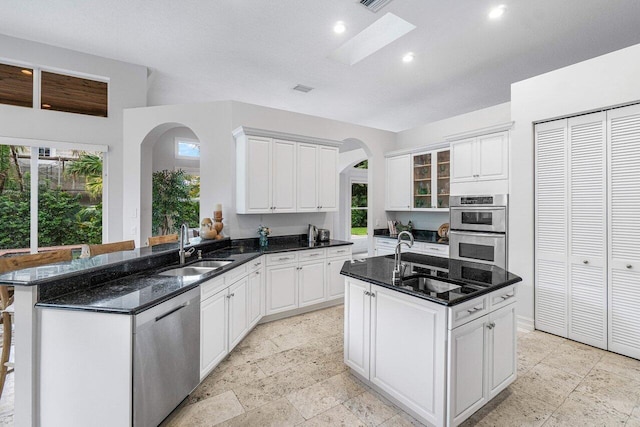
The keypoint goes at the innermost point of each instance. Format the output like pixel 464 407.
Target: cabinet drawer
pixel 385 242
pixel 502 297
pixel 340 251
pixel 431 249
pixel 467 311
pixel 255 264
pixel 211 287
pixel 312 254
pixel 235 274
pixel 282 258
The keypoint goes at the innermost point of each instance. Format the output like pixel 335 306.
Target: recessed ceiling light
pixel 303 88
pixel 46 106
pixel 408 57
pixel 339 28
pixel 27 72
pixel 497 12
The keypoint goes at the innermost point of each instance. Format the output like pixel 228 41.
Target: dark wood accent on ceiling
pixel 73 94
pixel 16 88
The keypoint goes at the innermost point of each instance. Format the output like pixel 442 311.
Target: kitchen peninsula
pixel 441 343
pixel 83 322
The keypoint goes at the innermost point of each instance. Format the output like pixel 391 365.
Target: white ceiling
pixel 255 51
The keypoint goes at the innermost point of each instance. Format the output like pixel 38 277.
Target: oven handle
pixel 500 235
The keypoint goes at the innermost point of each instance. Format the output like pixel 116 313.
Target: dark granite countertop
pixel 138 291
pixel 471 279
pixel 426 236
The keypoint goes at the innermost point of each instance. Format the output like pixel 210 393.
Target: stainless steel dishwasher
pixel 166 355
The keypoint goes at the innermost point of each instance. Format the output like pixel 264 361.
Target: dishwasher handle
pixel 170 312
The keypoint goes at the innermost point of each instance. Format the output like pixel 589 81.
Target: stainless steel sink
pixel 187 271
pixel 427 284
pixel 210 263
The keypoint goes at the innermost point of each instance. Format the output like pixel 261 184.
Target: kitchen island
pixel 441 343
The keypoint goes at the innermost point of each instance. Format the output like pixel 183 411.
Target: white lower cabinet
pixel 482 361
pixel 238 313
pixel 282 288
pixel 464 361
pixel 213 331
pixel 255 288
pixel 311 283
pixel 380 333
pixel 335 282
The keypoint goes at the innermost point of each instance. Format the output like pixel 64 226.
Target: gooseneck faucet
pixel 184 231
pixel 398 267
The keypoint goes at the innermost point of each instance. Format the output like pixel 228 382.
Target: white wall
pixel 605 81
pixel 164 156
pixel 434 133
pixel 127 88
pixel 212 123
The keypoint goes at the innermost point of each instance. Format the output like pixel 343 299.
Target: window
pixel 188 149
pixel 358 209
pixel 65 190
pixel 44 152
pixel 16 86
pixel 73 94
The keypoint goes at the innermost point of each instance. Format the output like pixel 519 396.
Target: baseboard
pixel 526 324
pixel 302 310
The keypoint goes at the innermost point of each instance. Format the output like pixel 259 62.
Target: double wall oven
pixel 479 229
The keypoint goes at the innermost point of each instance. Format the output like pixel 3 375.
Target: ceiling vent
pixel 303 88
pixel 374 5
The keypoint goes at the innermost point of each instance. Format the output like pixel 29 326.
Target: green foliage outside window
pixel 172 202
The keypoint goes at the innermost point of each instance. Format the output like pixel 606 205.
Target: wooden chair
pixel 158 240
pixel 93 250
pixel 6 297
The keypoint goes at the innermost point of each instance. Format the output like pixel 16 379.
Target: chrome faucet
pixel 184 234
pixel 398 267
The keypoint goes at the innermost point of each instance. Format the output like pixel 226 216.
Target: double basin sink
pixel 196 269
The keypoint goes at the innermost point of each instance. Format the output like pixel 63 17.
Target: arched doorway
pixel 170 180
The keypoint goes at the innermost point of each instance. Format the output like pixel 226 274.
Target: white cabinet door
pixel 502 349
pixel 394 337
pixel 282 288
pixel 283 155
pixel 238 316
pixel 311 283
pixel 493 156
pixel 551 220
pixel 624 230
pixel 398 183
pixel 257 175
pixel 213 332
pixel 357 325
pixel 335 281
pixel 468 352
pixel 327 178
pixel 463 158
pixel 256 297
pixel 307 166
pixel 587 229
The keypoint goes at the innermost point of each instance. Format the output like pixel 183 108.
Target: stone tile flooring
pixel 290 372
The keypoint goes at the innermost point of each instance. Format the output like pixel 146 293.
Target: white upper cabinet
pixel 481 158
pixel 398 183
pixel 317 178
pixel 282 173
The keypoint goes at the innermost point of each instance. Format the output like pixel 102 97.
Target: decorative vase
pixel 263 241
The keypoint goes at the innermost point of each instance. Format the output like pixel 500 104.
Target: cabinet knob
pixel 629 266
pixel 373 294
pixel 586 261
pixel 491 325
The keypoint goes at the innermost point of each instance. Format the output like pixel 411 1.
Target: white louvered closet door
pixel 624 229
pixel 551 228
pixel 587 215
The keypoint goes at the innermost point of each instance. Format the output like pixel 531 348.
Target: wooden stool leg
pixel 6 348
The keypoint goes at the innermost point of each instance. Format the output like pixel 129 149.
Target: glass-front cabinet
pixel 430 185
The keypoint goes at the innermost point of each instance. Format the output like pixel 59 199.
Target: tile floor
pixel 290 372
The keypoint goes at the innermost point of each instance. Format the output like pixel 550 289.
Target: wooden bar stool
pixel 6 297
pixel 93 250
pixel 158 240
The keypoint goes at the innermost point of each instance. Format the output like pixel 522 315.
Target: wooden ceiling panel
pixel 16 87
pixel 74 94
